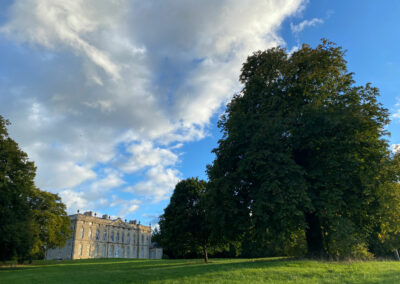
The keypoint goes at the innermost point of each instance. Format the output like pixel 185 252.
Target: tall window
pixel 128 252
pixel 104 250
pixel 105 236
pixel 117 236
pixel 96 251
pixel 97 234
pixel 142 239
pixel 128 238
pixel 82 232
pixel 112 236
pixel 122 237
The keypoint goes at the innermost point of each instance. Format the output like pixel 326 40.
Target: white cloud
pixel 49 23
pixel 159 184
pixel 304 24
pixel 75 201
pixel 144 154
pixel 124 84
pixel 395 148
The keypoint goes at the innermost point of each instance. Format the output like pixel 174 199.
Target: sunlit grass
pixel 263 270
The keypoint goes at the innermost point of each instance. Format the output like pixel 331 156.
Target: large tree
pixel 184 226
pixel 16 183
pixel 303 150
pixel 30 219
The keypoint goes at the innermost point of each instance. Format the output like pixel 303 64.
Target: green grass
pixel 263 270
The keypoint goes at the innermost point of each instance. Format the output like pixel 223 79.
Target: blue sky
pixel 116 101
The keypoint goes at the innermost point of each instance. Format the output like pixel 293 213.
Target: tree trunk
pixel 205 253
pixel 396 254
pixel 314 236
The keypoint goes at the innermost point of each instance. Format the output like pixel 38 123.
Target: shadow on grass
pixel 134 271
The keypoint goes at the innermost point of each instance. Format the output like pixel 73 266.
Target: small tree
pixel 184 225
pixel 51 225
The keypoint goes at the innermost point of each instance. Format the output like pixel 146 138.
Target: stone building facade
pixel 95 237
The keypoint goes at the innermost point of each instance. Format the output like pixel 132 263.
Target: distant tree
pixel 30 220
pixel 184 226
pixel 302 151
pixel 51 225
pixel 385 237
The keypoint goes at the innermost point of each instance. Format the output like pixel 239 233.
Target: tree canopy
pixel 30 219
pixel 184 225
pixel 303 155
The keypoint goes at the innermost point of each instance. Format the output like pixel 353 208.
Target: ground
pixel 263 270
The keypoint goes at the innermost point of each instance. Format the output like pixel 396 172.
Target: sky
pixel 116 101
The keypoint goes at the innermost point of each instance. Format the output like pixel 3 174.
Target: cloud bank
pixel 105 92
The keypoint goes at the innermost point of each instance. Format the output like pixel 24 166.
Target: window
pixel 142 239
pixel 110 251
pixel 128 252
pixel 105 236
pixel 117 236
pixel 128 238
pixel 97 234
pixel 122 237
pixel 82 233
pixel 112 236
pixel 96 251
pixel 104 250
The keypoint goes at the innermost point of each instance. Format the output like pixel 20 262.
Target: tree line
pixel 31 220
pixel 303 167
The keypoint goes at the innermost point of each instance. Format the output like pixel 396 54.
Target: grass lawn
pixel 263 270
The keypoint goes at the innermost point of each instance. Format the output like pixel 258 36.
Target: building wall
pixel 95 237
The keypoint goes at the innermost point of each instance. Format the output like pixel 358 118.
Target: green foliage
pixel 184 227
pixel 303 153
pixel 30 219
pixel 262 270
pixel 16 183
pixel 51 225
